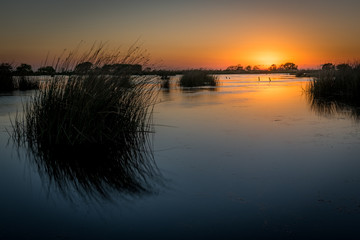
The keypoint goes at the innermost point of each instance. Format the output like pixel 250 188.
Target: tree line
pixel 82 68
pixel 114 69
pixel 339 67
pixel 289 66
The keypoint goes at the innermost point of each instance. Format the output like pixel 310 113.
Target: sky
pixel 186 34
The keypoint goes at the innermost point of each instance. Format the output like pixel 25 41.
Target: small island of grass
pixel 340 83
pixel 198 79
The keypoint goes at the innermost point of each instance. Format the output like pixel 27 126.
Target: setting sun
pixel 266 59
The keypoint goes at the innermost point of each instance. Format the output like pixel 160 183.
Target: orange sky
pixel 187 34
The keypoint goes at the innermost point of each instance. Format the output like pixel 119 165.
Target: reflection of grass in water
pixel 96 171
pixel 330 108
pixel 25 83
pixel 197 79
pixel 91 132
pixel 165 83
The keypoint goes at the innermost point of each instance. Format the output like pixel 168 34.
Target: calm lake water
pixel 248 159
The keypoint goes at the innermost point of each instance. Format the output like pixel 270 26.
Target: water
pixel 249 159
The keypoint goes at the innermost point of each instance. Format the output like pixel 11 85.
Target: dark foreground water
pixel 249 159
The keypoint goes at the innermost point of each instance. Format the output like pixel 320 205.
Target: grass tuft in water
pixel 91 131
pixel 340 85
pixel 197 79
pixel 336 91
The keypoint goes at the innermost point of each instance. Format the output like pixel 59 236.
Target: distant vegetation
pixel 24 70
pixel 198 78
pixel 85 66
pixel 20 77
pixel 48 70
pixel 286 67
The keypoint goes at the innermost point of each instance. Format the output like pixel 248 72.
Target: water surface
pixel 248 159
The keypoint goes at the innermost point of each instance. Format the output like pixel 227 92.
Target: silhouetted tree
pixel 127 68
pixel 328 66
pixel 120 69
pixel 248 68
pixel 83 67
pixel 48 70
pixel 5 68
pixel 343 67
pixel 256 68
pixel 24 69
pixel 235 68
pixel 273 67
pixel 289 66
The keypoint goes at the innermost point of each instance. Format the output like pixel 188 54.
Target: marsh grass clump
pixel 197 79
pixel 91 132
pixel 340 85
pixel 336 91
pixel 88 110
pixel 6 81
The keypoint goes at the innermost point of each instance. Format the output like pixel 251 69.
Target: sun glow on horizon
pixel 267 58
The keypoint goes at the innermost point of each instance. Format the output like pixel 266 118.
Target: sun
pixel 267 58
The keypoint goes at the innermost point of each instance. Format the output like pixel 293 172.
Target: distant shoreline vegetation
pixel 13 78
pixel 10 75
pixel 136 69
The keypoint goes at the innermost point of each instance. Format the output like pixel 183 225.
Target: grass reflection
pixel 97 172
pixel 325 107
